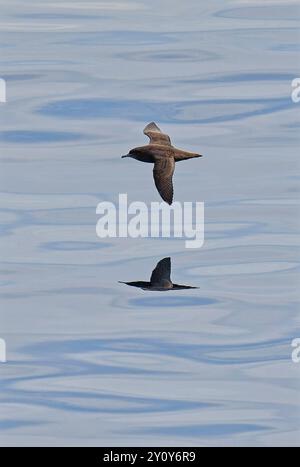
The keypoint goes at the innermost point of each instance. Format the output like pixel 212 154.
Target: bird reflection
pixel 160 279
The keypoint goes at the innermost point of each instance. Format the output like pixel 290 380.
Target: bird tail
pixel 183 155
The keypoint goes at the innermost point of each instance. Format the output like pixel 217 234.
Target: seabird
pixel 163 155
pixel 160 279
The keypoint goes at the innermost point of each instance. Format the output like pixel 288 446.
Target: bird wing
pixel 156 136
pixel 163 172
pixel 161 272
pixel 140 284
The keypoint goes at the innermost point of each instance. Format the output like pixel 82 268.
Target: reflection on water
pixel 91 362
pixel 160 280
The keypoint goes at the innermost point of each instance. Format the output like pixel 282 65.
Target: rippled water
pixel 91 361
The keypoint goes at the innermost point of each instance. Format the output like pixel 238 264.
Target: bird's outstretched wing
pixel 140 284
pixel 161 272
pixel 183 287
pixel 156 136
pixel 163 173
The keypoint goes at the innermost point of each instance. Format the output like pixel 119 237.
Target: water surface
pixel 90 361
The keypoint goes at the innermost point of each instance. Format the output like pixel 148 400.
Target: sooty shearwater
pixel 160 279
pixel 163 155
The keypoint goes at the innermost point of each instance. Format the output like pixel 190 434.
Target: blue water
pixel 92 361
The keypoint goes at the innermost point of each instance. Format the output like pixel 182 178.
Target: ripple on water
pixel 74 246
pixel 207 430
pixel 34 137
pixel 170 55
pixel 265 13
pixel 119 38
pixel 21 76
pixel 214 110
pixel 172 302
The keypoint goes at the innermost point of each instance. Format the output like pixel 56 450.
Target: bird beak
pixel 126 155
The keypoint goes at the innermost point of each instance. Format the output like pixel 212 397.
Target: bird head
pixel 140 154
pixel 132 153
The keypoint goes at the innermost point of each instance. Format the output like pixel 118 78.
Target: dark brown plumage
pixel 160 279
pixel 163 155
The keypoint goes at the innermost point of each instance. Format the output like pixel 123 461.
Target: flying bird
pixel 160 279
pixel 163 155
